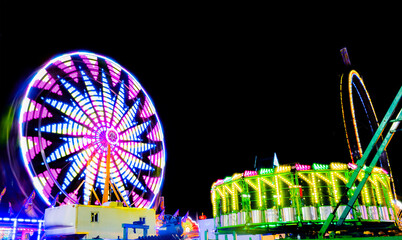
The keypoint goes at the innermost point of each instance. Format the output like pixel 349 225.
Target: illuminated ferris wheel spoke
pixel 72 112
pixel 79 106
pixel 64 150
pixel 128 171
pixel 118 107
pixel 77 164
pixel 128 120
pixel 96 108
pixel 134 133
pixel 85 107
pixel 130 152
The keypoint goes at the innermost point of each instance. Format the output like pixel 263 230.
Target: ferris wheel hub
pixel 107 136
pixel 112 136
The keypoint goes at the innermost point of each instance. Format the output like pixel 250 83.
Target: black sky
pixel 229 83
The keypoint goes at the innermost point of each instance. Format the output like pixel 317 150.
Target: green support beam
pixel 361 164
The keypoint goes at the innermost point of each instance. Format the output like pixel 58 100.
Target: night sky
pixel 229 83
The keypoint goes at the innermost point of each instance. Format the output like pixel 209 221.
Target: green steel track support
pixel 361 163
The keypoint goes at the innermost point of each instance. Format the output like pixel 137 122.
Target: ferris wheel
pixel 86 125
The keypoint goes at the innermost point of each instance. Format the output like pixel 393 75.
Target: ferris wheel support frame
pixel 361 163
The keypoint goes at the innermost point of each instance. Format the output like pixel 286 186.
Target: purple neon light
pixel 75 107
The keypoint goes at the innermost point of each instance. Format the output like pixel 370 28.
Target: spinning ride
pixel 303 199
pixel 87 125
pixel 299 198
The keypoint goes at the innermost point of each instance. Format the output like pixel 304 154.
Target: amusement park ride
pixel 91 140
pixel 87 125
pixel 309 201
pixel 87 128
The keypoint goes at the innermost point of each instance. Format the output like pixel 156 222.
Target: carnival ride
pixel 87 125
pixel 89 134
pixel 304 199
pixel 298 199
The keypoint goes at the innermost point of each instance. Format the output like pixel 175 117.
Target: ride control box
pixel 90 221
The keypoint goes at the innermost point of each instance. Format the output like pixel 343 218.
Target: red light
pixel 202 217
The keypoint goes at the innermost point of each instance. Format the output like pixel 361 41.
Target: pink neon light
pixel 300 167
pixel 94 68
pixel 74 76
pixel 156 159
pixel 66 66
pixel 248 173
pixel 28 116
pixel 49 183
pixel 56 89
pixel 148 110
pixel 219 182
pixel 152 182
pixel 156 134
pixel 112 70
pixel 352 166
pixel 134 88
pixel 143 203
pixel 139 202
pixel 73 200
pixel 35 147
pixel 46 83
